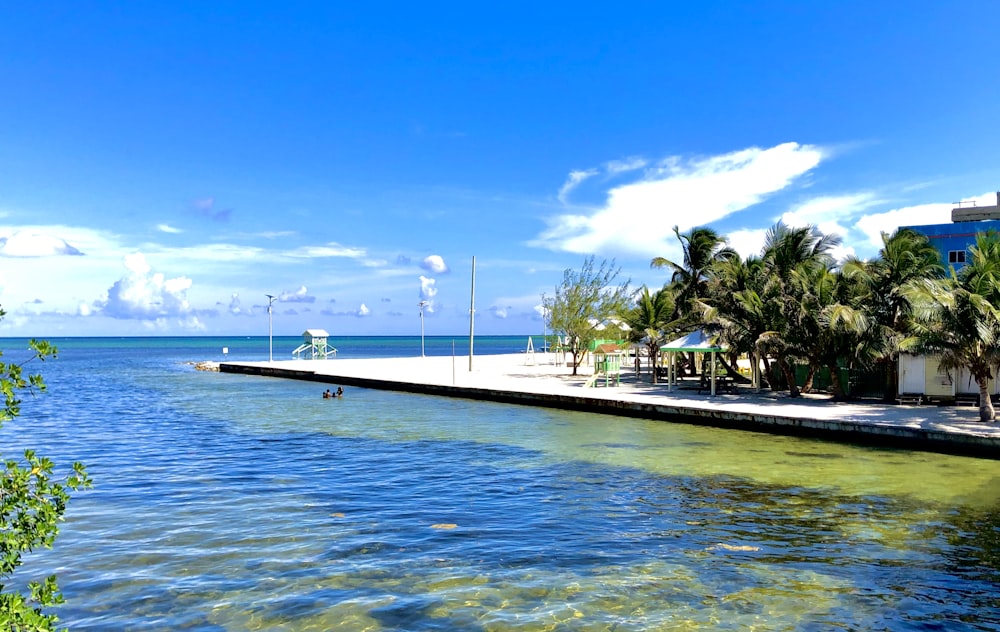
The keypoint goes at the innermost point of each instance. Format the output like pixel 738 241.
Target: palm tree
pixel 959 317
pixel 702 247
pixel 735 307
pixel 906 257
pixel 790 255
pixel 650 321
pixel 833 314
pixel 786 248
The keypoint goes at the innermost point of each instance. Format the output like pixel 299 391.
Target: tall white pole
pixel 270 330
pixel 421 304
pixel 472 313
pixel 545 329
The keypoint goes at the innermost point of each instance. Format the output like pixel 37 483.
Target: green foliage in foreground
pixel 32 503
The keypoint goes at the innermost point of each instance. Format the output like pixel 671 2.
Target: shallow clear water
pixel 226 502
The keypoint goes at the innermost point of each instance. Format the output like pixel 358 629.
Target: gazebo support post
pixel 713 374
pixel 670 370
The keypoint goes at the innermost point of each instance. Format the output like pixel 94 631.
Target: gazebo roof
pixel 696 341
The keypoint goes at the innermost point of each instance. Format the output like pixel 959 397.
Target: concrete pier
pixel 514 379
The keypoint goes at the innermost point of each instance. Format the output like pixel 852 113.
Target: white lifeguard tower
pixel 314 346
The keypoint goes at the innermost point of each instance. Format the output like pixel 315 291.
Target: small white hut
pixel 314 346
pixel 921 378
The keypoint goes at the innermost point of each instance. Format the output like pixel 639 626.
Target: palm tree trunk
pixel 986 412
pixel 731 370
pixel 807 387
pixel 652 351
pixel 786 369
pixel 766 374
pixel 835 385
pixel 891 378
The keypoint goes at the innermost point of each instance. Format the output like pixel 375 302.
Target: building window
pixel 956 256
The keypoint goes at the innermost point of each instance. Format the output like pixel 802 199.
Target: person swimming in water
pixel 340 391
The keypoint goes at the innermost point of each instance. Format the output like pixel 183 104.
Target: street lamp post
pixel 270 330
pixel 421 305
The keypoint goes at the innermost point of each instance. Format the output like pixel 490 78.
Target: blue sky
pixel 164 166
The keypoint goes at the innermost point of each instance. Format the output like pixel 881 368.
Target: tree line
pixel 794 303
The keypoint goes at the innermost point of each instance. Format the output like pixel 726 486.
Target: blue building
pixel 953 240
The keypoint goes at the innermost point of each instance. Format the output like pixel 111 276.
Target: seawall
pixel 946 430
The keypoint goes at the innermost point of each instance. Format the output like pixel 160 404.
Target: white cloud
pixel 609 169
pixel 572 181
pixel 30 243
pixel 144 295
pixel 747 241
pixel 829 212
pixel 517 306
pixel 830 215
pixel 873 225
pixel 331 249
pixel 843 251
pixel 234 305
pixel 639 217
pixel 166 228
pixel 750 242
pixel 428 291
pixel 267 234
pixel 363 311
pixel 300 295
pixel 217 253
pixel 427 288
pixel 434 264
pixel 615 167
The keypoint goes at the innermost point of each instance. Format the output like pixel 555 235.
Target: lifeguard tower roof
pixel 315 333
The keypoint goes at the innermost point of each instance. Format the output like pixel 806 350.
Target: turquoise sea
pixel 227 502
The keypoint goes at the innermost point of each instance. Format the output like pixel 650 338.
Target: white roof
pixel 316 333
pixel 694 341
